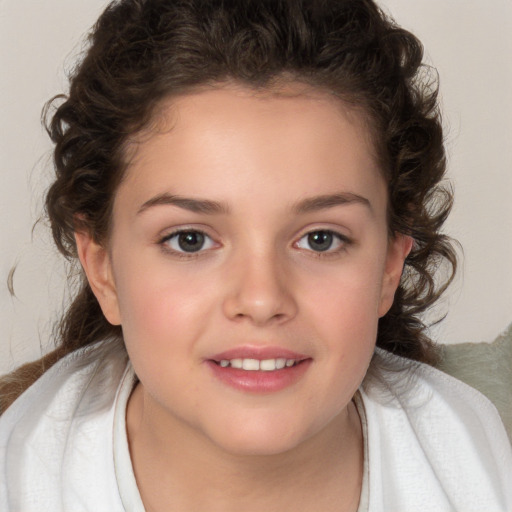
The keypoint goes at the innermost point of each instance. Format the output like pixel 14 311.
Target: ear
pixel 398 249
pixel 96 263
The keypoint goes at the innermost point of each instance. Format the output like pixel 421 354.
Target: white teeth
pixel 250 364
pixel 266 365
pixel 280 363
pixel 236 363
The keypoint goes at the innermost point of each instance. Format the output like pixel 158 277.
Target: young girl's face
pixel 250 230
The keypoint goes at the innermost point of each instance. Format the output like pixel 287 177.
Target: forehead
pixel 287 141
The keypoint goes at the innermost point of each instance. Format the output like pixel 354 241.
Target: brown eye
pixel 188 241
pixel 191 242
pixel 322 241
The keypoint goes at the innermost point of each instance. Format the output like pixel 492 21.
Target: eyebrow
pixel 206 206
pixel 194 205
pixel 313 204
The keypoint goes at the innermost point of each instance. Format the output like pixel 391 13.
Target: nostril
pixel 259 301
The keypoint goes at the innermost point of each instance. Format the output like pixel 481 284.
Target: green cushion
pixel 486 367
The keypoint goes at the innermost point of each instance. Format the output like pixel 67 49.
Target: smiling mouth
pixel 264 365
pixel 260 373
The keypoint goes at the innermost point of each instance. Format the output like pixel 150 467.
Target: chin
pixel 261 447
pixel 257 437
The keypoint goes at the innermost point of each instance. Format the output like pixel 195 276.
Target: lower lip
pixel 259 381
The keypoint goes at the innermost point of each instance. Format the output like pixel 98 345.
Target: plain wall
pixel 470 42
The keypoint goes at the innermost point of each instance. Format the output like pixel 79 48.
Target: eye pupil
pixel 191 241
pixel 320 240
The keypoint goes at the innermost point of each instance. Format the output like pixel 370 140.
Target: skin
pixel 197 443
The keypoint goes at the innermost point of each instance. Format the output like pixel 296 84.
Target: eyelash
pixel 164 243
pixel 342 240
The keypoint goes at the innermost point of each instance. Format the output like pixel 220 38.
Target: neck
pixel 185 471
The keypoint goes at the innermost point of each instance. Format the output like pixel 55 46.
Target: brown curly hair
pixel 143 51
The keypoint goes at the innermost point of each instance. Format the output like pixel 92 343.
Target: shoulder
pixel 435 438
pixel 416 389
pixel 76 383
pixel 58 431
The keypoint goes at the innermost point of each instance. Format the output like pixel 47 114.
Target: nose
pixel 259 291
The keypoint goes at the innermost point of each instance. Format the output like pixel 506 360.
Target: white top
pixel 431 443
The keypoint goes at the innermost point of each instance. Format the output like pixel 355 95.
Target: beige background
pixel 469 41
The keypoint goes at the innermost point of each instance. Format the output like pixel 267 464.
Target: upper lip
pixel 258 352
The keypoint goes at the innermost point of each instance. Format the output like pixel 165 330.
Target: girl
pixel 253 190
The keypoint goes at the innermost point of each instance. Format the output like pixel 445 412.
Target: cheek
pixel 343 309
pixel 161 323
pixel 348 321
pixel 159 303
pixel 349 293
